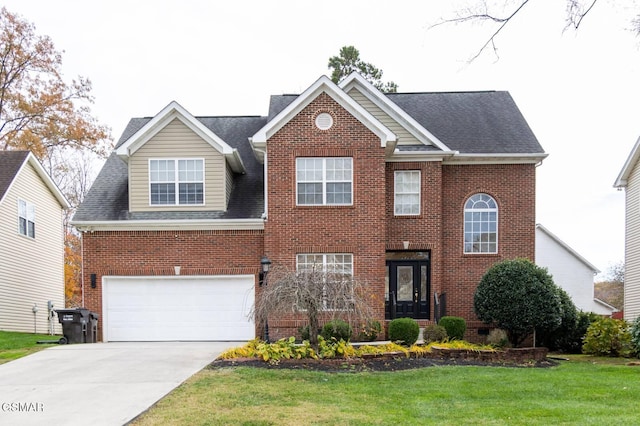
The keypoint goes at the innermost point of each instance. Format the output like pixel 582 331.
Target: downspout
pixel 82 267
pixel 266 185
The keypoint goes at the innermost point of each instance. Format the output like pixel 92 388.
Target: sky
pixel 578 90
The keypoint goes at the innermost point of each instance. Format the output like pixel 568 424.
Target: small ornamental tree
pixel 316 294
pixel 518 297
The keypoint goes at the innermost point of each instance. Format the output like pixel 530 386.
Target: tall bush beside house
pixel 455 326
pixel 405 330
pixel 635 335
pixel 564 337
pixel 519 297
pixel 608 337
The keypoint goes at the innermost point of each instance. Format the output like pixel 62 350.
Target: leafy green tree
pixel 566 337
pixel 518 297
pixel 349 61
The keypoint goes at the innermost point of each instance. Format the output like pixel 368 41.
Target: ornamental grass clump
pixel 434 333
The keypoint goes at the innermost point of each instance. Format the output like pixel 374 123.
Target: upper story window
pixel 407 193
pixel 481 224
pixel 176 182
pixel 324 181
pixel 26 219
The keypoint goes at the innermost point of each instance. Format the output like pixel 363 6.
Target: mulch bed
pixel 381 363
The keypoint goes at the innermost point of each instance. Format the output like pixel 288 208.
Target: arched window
pixel 480 224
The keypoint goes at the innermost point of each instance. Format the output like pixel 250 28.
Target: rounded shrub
pixel 434 333
pixel 405 330
pixel 369 331
pixel 608 337
pixel 338 329
pixel 455 327
pixel 518 296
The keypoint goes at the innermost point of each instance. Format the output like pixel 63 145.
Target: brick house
pixel 415 193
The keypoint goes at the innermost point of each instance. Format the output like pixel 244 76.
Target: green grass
pixel 582 391
pixel 15 345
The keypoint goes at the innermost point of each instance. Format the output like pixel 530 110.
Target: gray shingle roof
pixel 472 122
pixel 10 163
pixel 469 122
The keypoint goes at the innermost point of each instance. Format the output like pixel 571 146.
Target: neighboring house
pixel 417 194
pixel 629 179
pixel 570 271
pixel 31 244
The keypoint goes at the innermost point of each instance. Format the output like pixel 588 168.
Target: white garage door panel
pixel 178 308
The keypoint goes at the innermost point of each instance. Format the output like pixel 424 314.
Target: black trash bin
pixel 75 324
pixel 92 328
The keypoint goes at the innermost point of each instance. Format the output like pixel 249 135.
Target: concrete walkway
pixel 97 384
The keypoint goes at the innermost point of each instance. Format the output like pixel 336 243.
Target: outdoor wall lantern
pixel 265 264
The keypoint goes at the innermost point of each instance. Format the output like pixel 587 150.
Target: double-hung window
pixel 324 181
pixel 176 182
pixel 26 219
pixel 407 193
pixel 336 270
pixel 481 224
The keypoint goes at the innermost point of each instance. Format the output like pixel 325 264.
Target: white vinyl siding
pixel 31 269
pixel 403 135
pixel 176 140
pixel 632 246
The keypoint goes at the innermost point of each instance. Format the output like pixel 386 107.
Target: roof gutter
pixel 170 225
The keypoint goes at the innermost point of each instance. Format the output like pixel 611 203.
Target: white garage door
pixel 177 308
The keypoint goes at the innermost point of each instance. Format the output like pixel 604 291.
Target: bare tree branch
pixel 315 294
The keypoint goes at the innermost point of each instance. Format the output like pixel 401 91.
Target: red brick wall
pixel 128 253
pixel 423 232
pixel 513 188
pixel 359 229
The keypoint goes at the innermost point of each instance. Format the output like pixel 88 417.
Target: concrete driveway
pixel 97 384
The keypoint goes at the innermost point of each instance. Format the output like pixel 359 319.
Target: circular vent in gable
pixel 324 121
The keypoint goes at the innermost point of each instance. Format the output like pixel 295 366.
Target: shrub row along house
pixel 416 194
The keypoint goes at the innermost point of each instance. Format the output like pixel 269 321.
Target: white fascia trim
pixel 623 176
pixel 605 304
pixel 496 158
pixel 164 117
pixel 46 179
pixel 235 161
pixel 323 84
pixel 171 225
pixel 390 108
pixel 404 156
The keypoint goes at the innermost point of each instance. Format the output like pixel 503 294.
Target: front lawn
pixel 15 345
pixel 584 391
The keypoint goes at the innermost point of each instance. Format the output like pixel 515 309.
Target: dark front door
pixel 408 291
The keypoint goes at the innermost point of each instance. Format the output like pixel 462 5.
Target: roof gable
pixel 567 248
pixel 322 85
pixel 13 162
pixel 355 80
pixel 632 160
pixel 169 113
